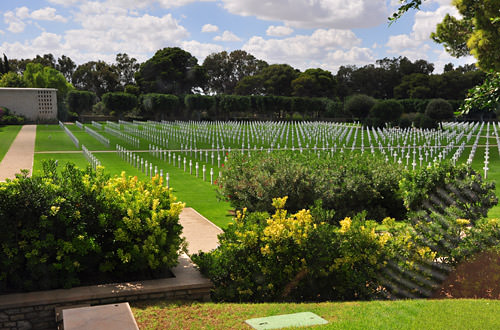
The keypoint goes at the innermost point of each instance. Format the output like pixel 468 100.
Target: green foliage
pixel 80 226
pixel 347 184
pixel 8 118
pixel 98 77
pixel 444 185
pixel 160 105
pixel 359 105
pixel 170 71
pixel 119 102
pixel 314 83
pixel 12 79
pixel 80 101
pixel 483 98
pixel 439 110
pixel 386 111
pixel 294 257
pixel 39 76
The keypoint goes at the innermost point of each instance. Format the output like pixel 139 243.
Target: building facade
pixel 36 104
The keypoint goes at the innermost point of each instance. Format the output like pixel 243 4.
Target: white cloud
pixel 302 51
pixel 47 14
pixel 209 28
pixel 314 13
pixel 14 23
pixel 444 58
pixel 200 50
pixel 279 31
pixel 227 36
pixel 360 56
pixel 415 45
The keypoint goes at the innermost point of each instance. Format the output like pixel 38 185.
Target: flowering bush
pixel 81 226
pixel 299 257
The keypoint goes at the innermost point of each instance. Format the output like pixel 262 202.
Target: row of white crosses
pixel 399 145
pixel 182 161
pixel 70 134
pixel 78 124
pixel 94 162
pixel 96 125
pixel 98 136
pixel 121 135
pixel 140 163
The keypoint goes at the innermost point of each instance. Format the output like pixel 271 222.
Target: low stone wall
pixel 37 310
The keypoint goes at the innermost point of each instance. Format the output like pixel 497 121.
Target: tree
pixel 170 71
pixel 224 70
pixel 277 79
pixel 12 79
pixel 119 102
pixel 439 110
pixel 160 105
pixel 98 77
pixel 45 60
pixel 38 76
pixel 386 111
pixel 359 105
pixel 126 68
pixel 80 101
pixel 4 65
pixel 314 83
pixel 66 66
pixel 478 30
pixel 483 99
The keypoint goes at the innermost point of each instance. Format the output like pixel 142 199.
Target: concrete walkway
pixel 200 233
pixel 20 154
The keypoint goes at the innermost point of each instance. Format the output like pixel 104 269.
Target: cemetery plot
pixel 178 150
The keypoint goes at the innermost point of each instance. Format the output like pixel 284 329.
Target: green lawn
pixel 402 314
pixel 7 136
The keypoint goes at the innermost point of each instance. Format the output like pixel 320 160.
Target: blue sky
pixel 302 33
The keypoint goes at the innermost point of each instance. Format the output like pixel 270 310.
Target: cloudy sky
pixel 302 33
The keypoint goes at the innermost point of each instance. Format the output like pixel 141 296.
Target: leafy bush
pixel 359 105
pixel 60 230
pixel 443 185
pixel 80 101
pixel 386 111
pixel 347 184
pixel 439 109
pixel 119 102
pixel 295 257
pixel 7 118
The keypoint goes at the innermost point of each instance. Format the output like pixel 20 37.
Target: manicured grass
pixel 52 138
pixel 402 314
pixel 62 158
pixel 7 135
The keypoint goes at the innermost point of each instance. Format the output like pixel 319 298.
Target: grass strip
pixel 7 135
pixel 401 314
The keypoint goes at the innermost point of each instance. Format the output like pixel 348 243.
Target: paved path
pixel 200 233
pixel 20 154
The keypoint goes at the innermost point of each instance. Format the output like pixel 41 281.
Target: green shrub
pixel 439 110
pixel 7 118
pixel 386 111
pixel 359 105
pixel 442 185
pixel 80 101
pixel 345 183
pixel 119 102
pixel 60 230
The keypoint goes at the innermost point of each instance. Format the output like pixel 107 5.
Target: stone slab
pixel 287 320
pixel 108 317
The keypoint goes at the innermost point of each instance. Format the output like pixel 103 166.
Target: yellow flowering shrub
pixel 81 226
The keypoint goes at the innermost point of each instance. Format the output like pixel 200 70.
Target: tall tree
pixel 98 77
pixel 38 76
pixel 225 70
pixel 45 60
pixel 126 68
pixel 314 83
pixel 66 66
pixel 170 71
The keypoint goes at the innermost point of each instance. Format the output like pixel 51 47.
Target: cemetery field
pixel 401 314
pixel 7 135
pixel 191 154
